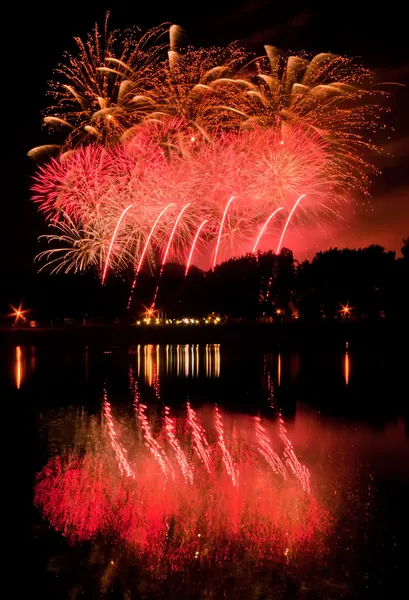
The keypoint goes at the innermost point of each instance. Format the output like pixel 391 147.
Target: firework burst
pixel 233 183
pixel 148 129
pixel 105 87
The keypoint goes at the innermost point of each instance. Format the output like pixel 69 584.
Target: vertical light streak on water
pixel 186 359
pixel 18 367
pixel 346 367
pixel 192 361
pixel 217 360
pixel 148 363
pixel 158 360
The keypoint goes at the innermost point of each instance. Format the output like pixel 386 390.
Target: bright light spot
pixel 345 310
pixel 18 313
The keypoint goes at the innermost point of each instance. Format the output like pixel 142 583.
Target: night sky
pixel 35 37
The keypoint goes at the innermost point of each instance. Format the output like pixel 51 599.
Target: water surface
pixel 345 420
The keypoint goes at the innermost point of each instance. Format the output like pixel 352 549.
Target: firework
pixel 106 86
pixel 199 87
pixel 152 128
pixel 234 183
pixel 329 94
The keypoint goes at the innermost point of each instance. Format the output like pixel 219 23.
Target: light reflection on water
pixel 153 360
pixel 357 468
pixel 156 361
pixel 181 360
pixel 328 541
pixel 23 364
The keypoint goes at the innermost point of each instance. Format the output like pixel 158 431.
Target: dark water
pixel 345 414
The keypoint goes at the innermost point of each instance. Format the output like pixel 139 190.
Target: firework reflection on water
pixel 190 498
pixel 203 486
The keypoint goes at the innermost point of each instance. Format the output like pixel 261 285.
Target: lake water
pixel 201 471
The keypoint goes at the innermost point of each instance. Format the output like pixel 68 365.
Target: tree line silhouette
pixel 371 282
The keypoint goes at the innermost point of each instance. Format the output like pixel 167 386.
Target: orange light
pixel 279 311
pixel 346 367
pixel 18 313
pixel 345 310
pixel 18 369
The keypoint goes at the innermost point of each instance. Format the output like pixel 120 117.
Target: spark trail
pixel 287 222
pixel 189 260
pixel 112 241
pixel 260 235
pixel 220 231
pixel 141 258
pixel 165 256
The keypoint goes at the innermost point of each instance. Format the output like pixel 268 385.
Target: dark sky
pixel 35 36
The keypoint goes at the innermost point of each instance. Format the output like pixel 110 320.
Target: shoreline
pixel 298 334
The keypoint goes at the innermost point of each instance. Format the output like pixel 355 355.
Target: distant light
pixel 345 310
pixel 18 313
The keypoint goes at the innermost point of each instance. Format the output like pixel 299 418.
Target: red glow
pixel 252 167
